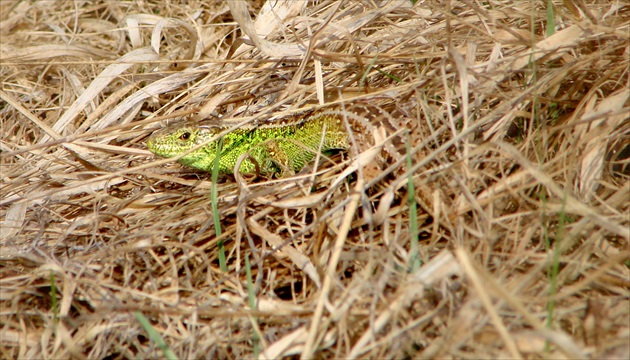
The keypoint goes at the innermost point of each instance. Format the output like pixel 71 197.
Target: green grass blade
pixel 551 22
pixel 155 336
pixel 53 297
pixel 214 195
pixel 252 305
pixel 415 261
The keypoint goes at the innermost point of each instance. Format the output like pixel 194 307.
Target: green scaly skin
pixel 277 148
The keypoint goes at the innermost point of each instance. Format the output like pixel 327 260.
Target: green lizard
pixel 277 147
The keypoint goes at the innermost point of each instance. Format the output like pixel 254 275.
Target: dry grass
pixel 519 148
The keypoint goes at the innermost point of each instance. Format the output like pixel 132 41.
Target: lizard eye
pixel 185 136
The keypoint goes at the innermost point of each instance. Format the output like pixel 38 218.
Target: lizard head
pixel 175 141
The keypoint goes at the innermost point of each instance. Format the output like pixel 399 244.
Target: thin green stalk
pixel 554 266
pixel 214 195
pixel 155 336
pixel 53 298
pixel 551 21
pixel 252 305
pixel 415 261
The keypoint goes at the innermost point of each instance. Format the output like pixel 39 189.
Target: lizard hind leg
pixel 286 156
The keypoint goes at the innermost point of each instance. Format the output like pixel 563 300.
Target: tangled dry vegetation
pixel 513 243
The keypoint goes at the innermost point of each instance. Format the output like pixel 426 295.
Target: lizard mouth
pixel 160 148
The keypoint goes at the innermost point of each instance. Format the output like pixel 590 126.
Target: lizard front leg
pixel 272 158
